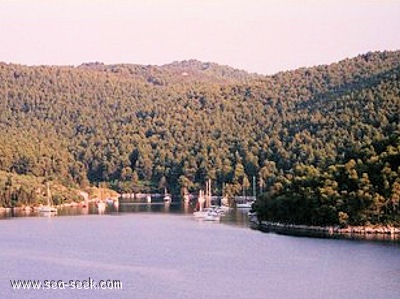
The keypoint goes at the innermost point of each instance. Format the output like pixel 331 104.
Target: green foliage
pixel 140 127
pixel 28 190
pixel 355 193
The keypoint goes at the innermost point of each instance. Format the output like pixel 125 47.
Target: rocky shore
pixel 359 232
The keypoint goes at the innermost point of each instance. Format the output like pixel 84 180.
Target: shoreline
pixel 34 208
pixel 73 204
pixel 371 232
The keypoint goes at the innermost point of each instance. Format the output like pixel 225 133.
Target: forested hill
pixel 142 127
pixel 178 72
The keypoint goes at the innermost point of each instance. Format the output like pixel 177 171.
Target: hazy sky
pixel 256 35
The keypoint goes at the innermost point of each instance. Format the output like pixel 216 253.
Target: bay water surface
pixel 169 254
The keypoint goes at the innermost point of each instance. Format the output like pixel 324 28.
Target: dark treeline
pixel 365 190
pixel 141 128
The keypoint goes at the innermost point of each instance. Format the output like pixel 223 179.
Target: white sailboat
pixel 244 205
pixel 224 200
pixel 248 203
pixel 212 217
pixel 116 205
pixel 201 200
pixel 209 213
pixel 101 205
pixel 167 197
pixel 49 208
pixel 186 196
pixel 202 213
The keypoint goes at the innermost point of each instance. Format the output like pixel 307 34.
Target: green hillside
pixel 139 128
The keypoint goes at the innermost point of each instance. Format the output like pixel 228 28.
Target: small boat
pixel 208 213
pixel 244 205
pixel 48 209
pixel 167 197
pixel 199 214
pixel 201 200
pixel 116 204
pixel 212 217
pixel 219 210
pixel 202 213
pixel 101 206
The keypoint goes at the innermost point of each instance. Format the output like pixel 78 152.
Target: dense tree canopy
pixel 146 127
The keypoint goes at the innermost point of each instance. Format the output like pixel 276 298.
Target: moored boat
pixel 101 206
pixel 212 217
pixel 212 213
pixel 202 213
pixel 244 205
pixel 167 197
pixel 48 209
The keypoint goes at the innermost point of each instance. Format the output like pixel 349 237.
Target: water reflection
pixel 236 217
pixel 152 208
pixel 116 205
pixel 232 217
pixel 186 208
pixel 168 256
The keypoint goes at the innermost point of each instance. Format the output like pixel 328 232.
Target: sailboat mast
pixel 209 189
pixel 254 187
pixel 206 196
pixel 48 193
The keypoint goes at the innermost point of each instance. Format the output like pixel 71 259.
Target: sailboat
pixel 248 203
pixel 186 195
pixel 244 205
pixel 225 206
pixel 101 205
pixel 209 213
pixel 49 207
pixel 186 198
pixel 167 197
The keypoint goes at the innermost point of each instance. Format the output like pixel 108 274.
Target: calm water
pixel 160 252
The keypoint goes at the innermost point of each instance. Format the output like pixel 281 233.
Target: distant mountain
pixel 210 71
pixel 141 127
pixel 177 72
